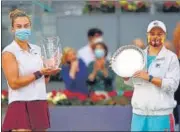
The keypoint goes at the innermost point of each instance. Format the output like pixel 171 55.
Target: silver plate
pixel 127 60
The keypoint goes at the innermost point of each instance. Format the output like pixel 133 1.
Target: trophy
pixel 51 52
pixel 127 60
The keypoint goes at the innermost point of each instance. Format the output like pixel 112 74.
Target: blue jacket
pixel 79 83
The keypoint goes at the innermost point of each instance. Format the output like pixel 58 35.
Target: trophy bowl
pixel 51 52
pixel 127 60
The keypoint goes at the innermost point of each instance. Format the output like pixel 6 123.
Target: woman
pixel 153 100
pixel 26 77
pixel 74 74
pixel 176 42
pixel 101 77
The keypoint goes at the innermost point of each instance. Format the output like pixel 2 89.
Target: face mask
pixel 22 34
pixel 99 53
pixel 97 40
pixel 156 42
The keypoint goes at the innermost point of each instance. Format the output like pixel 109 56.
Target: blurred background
pixel 122 21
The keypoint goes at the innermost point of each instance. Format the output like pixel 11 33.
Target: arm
pixel 108 78
pixel 108 74
pixel 10 68
pixel 72 73
pixel 66 76
pixel 92 73
pixel 171 80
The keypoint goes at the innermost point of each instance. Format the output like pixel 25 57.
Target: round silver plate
pixel 127 60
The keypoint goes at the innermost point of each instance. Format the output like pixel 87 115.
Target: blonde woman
pixel 74 74
pixel 26 77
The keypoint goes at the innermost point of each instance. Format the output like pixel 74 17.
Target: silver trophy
pixel 51 52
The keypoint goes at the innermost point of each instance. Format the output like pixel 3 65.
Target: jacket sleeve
pixel 171 80
pixel 65 76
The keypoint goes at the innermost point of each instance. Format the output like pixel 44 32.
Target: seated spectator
pixel 74 74
pixel 101 76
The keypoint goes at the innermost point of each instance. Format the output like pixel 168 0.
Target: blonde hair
pixel 17 13
pixel 65 53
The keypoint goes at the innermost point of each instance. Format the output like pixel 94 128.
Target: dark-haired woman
pixel 101 76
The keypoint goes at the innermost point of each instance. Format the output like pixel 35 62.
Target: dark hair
pixel 17 13
pixel 94 31
pixel 103 45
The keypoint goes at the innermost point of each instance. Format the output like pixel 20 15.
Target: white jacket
pixel 148 99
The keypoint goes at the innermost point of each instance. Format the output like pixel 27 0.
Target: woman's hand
pixel 105 72
pixel 142 74
pixel 97 66
pixel 74 69
pixel 75 66
pixel 49 71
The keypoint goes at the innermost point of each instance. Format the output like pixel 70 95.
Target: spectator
pixel 101 77
pixel 139 43
pixel 176 42
pixel 74 74
pixel 86 53
pixel 169 46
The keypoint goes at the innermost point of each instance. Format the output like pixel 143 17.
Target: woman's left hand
pixel 50 71
pixel 55 71
pixel 141 74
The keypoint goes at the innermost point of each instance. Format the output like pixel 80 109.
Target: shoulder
pixel 171 54
pixel 172 59
pixel 83 49
pixel 91 64
pixel 81 61
pixel 9 51
pixel 10 48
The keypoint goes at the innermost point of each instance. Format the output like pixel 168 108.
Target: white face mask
pixel 97 40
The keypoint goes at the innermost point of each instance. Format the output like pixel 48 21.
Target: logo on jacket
pixel 158 65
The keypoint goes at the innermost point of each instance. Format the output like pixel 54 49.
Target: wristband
pixel 37 74
pixel 150 78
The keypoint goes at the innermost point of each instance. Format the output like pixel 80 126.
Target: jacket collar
pixel 161 54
